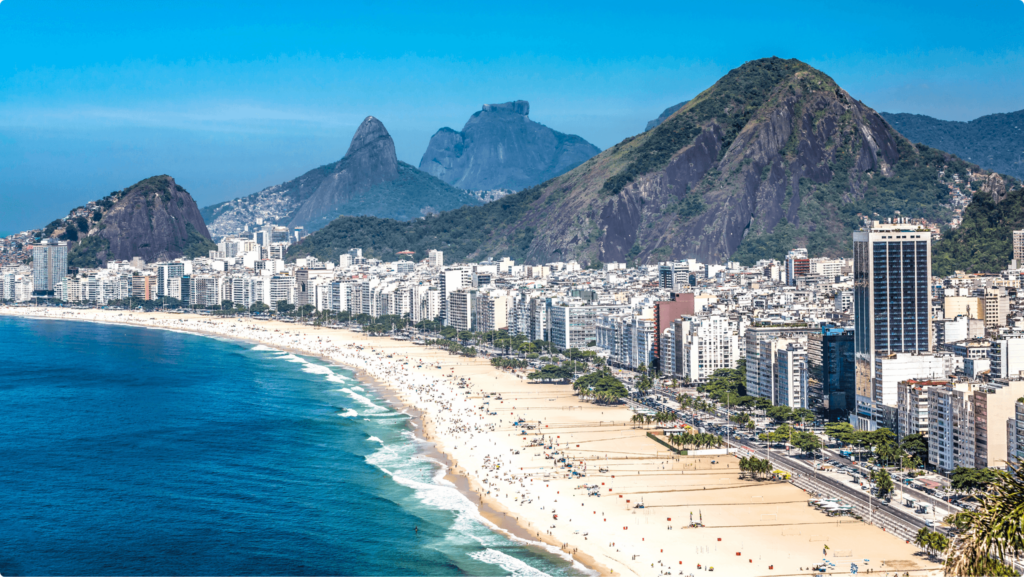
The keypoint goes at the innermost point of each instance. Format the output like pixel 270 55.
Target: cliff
pixel 368 180
pixel 773 156
pixel 500 148
pixel 155 219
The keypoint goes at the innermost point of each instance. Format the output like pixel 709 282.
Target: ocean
pixel 129 451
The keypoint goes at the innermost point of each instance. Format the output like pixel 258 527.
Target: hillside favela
pixel 319 289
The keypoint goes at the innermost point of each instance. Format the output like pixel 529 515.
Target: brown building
pixel 665 313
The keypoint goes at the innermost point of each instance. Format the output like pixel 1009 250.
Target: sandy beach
pixel 467 408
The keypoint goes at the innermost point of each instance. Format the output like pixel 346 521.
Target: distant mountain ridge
pixel 773 156
pixel 664 115
pixel 155 219
pixel 500 148
pixel 368 180
pixel 994 142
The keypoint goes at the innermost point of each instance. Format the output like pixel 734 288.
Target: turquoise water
pixel 129 451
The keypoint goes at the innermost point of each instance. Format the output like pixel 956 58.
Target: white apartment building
pixel 435 259
pixel 951 426
pixel 492 310
pixel 912 406
pixel 462 309
pixel 892 369
pixel 705 344
pixel 1007 357
pixel 791 384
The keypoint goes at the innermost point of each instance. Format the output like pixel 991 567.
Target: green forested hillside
pixel 994 142
pixel 411 194
pixel 984 241
pixel 458 233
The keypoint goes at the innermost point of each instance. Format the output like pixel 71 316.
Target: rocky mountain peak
pixel 371 133
pixel 155 219
pixel 517 107
pixel 500 148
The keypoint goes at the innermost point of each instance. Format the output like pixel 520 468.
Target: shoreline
pixel 489 509
pixel 448 418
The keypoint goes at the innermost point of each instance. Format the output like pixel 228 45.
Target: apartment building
pixel 951 426
pixel 704 344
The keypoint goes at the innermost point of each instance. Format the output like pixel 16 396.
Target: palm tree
pixel 993 532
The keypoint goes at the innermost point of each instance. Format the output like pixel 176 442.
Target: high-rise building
pixel 831 380
pixel 574 325
pixel 1018 248
pixel 49 264
pixel 665 313
pixel 892 301
pixel 450 281
pixel 791 384
pixel 1007 356
pixel 435 259
pixel 797 265
pixel 704 344
pixel 164 273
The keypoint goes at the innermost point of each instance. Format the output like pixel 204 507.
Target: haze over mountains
pixel 500 148
pixel 773 156
pixel 368 180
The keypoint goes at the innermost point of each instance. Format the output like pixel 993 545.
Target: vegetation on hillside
pixel 914 190
pixel 86 254
pixel 995 141
pixel 732 102
pixel 458 233
pixel 984 240
pixel 197 245
pixel 402 198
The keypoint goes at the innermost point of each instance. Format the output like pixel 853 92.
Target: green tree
pixel 995 531
pixel 916 445
pixel 806 442
pixel 883 482
pixel 968 479
pixel 932 541
pixel 284 307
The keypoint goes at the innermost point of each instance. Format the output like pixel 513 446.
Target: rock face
pixel 774 156
pixel 155 219
pixel 993 142
pixel 664 115
pixel 368 180
pixel 370 161
pixel 500 148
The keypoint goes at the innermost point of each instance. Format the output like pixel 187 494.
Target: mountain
pixel 664 115
pixel 984 240
pixel 500 148
pixel 773 156
pixel 155 219
pixel 368 180
pixel 994 142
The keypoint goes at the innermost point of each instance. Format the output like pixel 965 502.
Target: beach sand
pixel 751 527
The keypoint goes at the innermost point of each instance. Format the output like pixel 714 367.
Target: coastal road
pixel 873 510
pixel 893 518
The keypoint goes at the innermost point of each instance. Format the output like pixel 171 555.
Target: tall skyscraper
pixel 831 382
pixel 892 264
pixel 49 264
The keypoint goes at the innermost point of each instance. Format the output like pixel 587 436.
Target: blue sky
pixel 230 97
